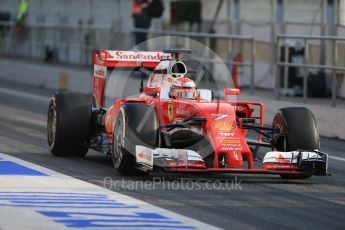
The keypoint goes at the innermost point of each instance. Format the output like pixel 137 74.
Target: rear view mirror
pixel 229 92
pixel 152 90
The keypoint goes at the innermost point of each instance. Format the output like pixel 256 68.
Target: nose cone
pixel 228 139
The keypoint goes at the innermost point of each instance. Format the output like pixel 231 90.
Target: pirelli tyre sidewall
pixel 136 124
pixel 69 123
pixel 299 127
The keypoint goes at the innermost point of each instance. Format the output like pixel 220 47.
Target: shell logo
pixel 223 126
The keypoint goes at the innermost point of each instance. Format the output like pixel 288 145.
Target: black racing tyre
pixel 300 132
pixel 69 123
pixel 299 127
pixel 136 124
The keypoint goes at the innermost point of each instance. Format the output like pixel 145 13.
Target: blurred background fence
pixel 62 31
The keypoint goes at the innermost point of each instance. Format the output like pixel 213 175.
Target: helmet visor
pixel 184 94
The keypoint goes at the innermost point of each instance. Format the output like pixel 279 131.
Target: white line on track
pixel 22 116
pixel 336 158
pixel 24 94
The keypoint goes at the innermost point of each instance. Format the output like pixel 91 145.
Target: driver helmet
pixel 183 87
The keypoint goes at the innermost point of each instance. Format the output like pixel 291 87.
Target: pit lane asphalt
pixel 263 202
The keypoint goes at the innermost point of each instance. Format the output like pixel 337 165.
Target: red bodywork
pixel 224 132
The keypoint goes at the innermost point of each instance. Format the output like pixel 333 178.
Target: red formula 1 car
pixel 173 126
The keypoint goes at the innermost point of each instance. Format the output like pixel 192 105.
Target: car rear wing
pixel 105 59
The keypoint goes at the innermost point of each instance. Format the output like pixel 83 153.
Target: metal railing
pixel 69 44
pixel 286 64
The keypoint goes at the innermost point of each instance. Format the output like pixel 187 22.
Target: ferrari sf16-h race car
pixel 174 126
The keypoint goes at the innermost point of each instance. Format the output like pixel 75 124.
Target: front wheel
pixel 299 129
pixel 136 124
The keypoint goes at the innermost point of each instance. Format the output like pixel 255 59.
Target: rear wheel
pixel 299 130
pixel 136 124
pixel 69 124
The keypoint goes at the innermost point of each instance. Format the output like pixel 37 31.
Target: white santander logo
pixel 138 56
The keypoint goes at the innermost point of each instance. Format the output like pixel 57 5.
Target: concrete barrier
pixel 330 120
pixel 46 76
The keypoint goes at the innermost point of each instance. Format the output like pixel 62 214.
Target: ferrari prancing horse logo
pixel 170 111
